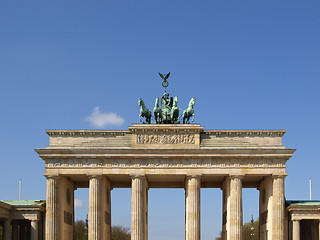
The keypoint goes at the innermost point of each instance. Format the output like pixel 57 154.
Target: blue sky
pixel 249 64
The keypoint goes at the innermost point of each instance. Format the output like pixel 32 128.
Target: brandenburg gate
pixel 165 154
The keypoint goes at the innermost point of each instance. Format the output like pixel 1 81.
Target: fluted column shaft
pixel 22 231
pixel 235 209
pixel 295 230
pixel 52 228
pixel 138 208
pixel 7 229
pixel 34 230
pixel 193 185
pixel 94 219
pixel 319 229
pixel 108 210
pixel 278 223
pixel 15 231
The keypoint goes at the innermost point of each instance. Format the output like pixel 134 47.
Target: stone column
pixel 15 230
pixel 34 230
pixel 235 208
pixel 108 210
pixel 225 195
pixel 193 185
pixel 295 230
pixel 7 229
pixel 319 230
pixel 22 231
pixel 94 218
pixel 278 223
pixel 52 218
pixel 138 208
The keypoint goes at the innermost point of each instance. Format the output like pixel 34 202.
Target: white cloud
pixel 99 119
pixel 78 203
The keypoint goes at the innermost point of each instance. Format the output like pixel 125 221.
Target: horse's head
pixel 192 101
pixel 140 101
pixel 175 101
pixel 157 102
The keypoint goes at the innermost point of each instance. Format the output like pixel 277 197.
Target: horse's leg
pixel 188 121
pixel 193 117
pixel 149 117
pixel 140 117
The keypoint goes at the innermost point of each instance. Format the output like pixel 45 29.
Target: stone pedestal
pixel 193 185
pixel 138 208
pixel 235 208
pixel 94 219
pixel 52 223
pixel 295 230
pixel 278 223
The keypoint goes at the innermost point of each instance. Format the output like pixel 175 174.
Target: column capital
pixel 51 176
pixel 97 176
pixel 197 176
pixel 236 176
pixel 140 176
pixel 277 176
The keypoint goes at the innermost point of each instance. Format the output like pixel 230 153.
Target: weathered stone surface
pixel 152 156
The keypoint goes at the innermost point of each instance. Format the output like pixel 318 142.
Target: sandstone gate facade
pixel 161 156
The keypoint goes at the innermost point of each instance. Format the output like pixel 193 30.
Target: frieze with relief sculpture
pixel 165 163
pixel 165 139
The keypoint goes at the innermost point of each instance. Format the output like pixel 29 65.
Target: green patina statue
pixel 166 107
pixel 169 111
pixel 175 111
pixel 157 112
pixel 189 112
pixel 144 112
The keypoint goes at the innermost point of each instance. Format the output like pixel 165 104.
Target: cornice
pixel 298 209
pixel 72 133
pixel 138 128
pixel 165 128
pixel 165 153
pixel 245 132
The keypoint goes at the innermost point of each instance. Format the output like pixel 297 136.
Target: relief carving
pixel 57 163
pixel 165 163
pixel 165 139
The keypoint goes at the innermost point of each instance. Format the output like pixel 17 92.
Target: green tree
pixel 120 233
pixel 246 231
pixel 117 232
pixel 80 230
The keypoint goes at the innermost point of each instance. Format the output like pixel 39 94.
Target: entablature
pixel 166 136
